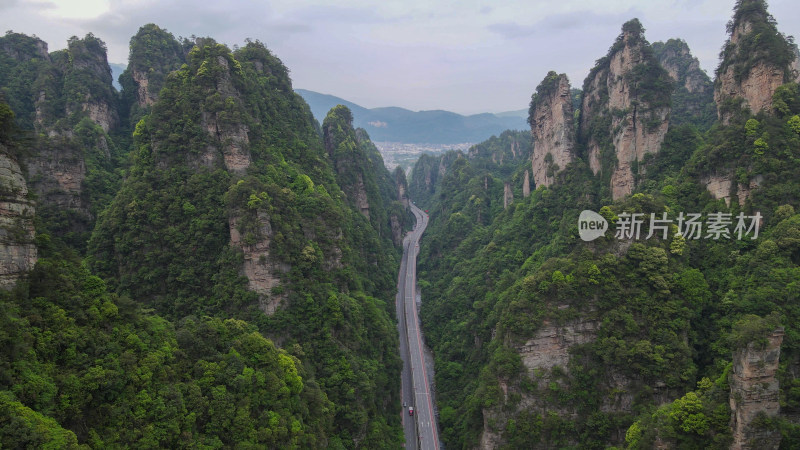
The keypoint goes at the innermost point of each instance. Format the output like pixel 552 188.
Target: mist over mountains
pixel 395 124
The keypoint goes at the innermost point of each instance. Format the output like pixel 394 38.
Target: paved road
pixel 421 430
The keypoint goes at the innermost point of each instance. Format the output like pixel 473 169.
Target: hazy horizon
pixel 466 57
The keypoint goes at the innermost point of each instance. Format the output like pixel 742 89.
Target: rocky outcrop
pixel 625 108
pixel 350 162
pixel 71 105
pixel 145 95
pixel 693 97
pixel 755 88
pixel 549 347
pixel 88 67
pixel 402 186
pixel 546 350
pixel 154 53
pixel 526 184
pixel 424 176
pixel 756 60
pixel 397 230
pixel 754 393
pixel 675 56
pixel 36 49
pixel 57 174
pixel 720 185
pixel 263 274
pixel 508 195
pixel 360 196
pixel 551 120
pixel 17 250
pixel 229 139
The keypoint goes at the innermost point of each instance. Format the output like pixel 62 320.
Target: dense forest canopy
pixel 195 261
pixel 219 290
pixel 543 340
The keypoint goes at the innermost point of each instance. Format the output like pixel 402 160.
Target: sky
pixel 466 56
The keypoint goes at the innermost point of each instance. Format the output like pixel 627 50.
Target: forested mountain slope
pixel 221 287
pixel 543 340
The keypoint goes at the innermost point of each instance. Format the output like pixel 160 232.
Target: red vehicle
pixel 410 410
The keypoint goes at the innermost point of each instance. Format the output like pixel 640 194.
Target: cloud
pixel 467 56
pixel 565 22
pixel 9 4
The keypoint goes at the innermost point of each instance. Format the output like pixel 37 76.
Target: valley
pixel 194 253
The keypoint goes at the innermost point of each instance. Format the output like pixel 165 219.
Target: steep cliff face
pixel 154 53
pixel 424 177
pixel 551 119
pixel 263 271
pixel 720 186
pixel 66 97
pixel 87 82
pixel 625 109
pixel 343 149
pixel 57 174
pixel 369 187
pixel 401 182
pixel 693 97
pixel 526 184
pixel 546 351
pixel 229 137
pixel 508 195
pixel 754 393
pixel 232 207
pixel 17 250
pixel 345 152
pixel 400 216
pixel 755 60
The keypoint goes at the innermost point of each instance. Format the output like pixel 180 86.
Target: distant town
pixel 405 155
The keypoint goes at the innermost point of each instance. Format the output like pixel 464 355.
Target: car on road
pixel 410 410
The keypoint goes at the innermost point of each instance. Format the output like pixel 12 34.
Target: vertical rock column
pixel 508 195
pixel 754 392
pixel 753 65
pixel 551 120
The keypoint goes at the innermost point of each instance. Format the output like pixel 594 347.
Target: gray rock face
pixel 754 392
pixel 693 96
pixel 508 195
pixel 262 272
pixel 748 70
pixel 637 127
pixel 551 119
pixel 526 184
pixel 17 250
pixel 720 185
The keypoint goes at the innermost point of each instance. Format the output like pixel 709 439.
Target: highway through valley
pixel 421 428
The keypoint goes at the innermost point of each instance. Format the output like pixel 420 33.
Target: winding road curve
pixel 421 428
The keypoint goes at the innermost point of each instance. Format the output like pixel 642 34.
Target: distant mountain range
pixel 418 127
pixel 393 124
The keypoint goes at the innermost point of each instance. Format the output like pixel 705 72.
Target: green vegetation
pixel 660 317
pixel 81 361
pixel 155 338
pixel 762 43
pixel 693 96
pixel 61 100
pixel 650 95
pixel 154 53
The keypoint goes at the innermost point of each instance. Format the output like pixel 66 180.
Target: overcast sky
pixel 466 56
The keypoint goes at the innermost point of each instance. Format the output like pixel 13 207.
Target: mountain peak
pixel 755 60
